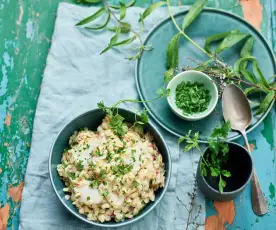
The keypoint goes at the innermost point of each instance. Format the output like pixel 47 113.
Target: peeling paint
pixel 4 215
pixel 25 80
pixel 226 210
pixel 20 15
pixel 271 191
pixel 30 30
pixel 1 170
pixel 267 131
pixel 252 12
pixel 16 192
pixel 8 119
pixel 214 223
pixel 226 214
pixel 3 111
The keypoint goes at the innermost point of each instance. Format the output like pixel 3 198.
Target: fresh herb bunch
pixel 116 123
pixel 118 14
pixel 251 82
pixel 192 97
pixel 217 154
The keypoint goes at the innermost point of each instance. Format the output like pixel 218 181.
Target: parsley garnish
pixel 192 97
pixel 110 156
pixel 117 124
pixel 217 154
pixel 132 155
pixel 105 193
pixel 94 184
pixel 102 174
pixel 66 149
pixel 88 198
pixel 71 175
pixel 80 165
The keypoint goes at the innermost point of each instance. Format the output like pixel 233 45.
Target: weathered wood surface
pixel 25 36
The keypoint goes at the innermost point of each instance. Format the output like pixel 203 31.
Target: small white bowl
pixel 193 76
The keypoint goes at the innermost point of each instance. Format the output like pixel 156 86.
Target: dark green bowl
pixel 92 119
pixel 240 165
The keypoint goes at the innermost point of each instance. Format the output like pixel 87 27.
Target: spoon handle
pixel 258 200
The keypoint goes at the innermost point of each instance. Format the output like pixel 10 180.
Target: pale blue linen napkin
pixel 75 79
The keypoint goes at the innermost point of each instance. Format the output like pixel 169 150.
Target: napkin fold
pixel 75 79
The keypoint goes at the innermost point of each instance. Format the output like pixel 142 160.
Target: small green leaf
pixel 144 116
pixel 222 185
pixel 248 76
pixel 102 26
pixel 203 170
pixel 226 173
pixel 125 28
pixel 230 41
pixel 172 52
pixel 258 73
pixel 252 90
pixel 216 37
pixel 238 63
pixel 160 91
pixel 131 3
pixel 113 40
pixel 92 17
pixel 247 49
pixel 214 171
pixel 265 103
pixel 150 9
pixel 122 10
pixel 125 42
pixel 168 75
pixel 193 12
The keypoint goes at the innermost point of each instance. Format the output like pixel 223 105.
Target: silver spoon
pixel 236 109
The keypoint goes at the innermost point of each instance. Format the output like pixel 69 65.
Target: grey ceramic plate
pixel 152 65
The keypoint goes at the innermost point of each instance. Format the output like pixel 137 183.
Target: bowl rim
pixel 135 218
pixel 234 191
pixel 194 117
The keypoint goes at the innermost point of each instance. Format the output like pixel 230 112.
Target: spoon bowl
pixel 236 108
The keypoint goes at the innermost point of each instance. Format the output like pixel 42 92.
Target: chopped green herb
pixel 105 193
pixel 110 156
pixel 88 198
pixel 117 124
pixel 71 175
pixel 66 149
pixel 132 155
pixel 192 97
pixel 102 174
pixel 136 184
pixel 80 165
pixel 98 153
pixel 94 184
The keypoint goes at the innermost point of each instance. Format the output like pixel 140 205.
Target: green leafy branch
pixel 255 82
pixel 116 122
pixel 217 155
pixel 121 27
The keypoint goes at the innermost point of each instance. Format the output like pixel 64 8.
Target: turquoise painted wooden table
pixel 25 36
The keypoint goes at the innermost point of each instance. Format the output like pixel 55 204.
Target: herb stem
pixel 124 25
pixel 188 38
pixel 135 101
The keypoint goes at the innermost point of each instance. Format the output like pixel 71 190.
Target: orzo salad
pixel 108 177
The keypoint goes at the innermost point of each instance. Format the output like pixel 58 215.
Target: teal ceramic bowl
pixel 92 119
pixel 192 76
pixel 239 164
